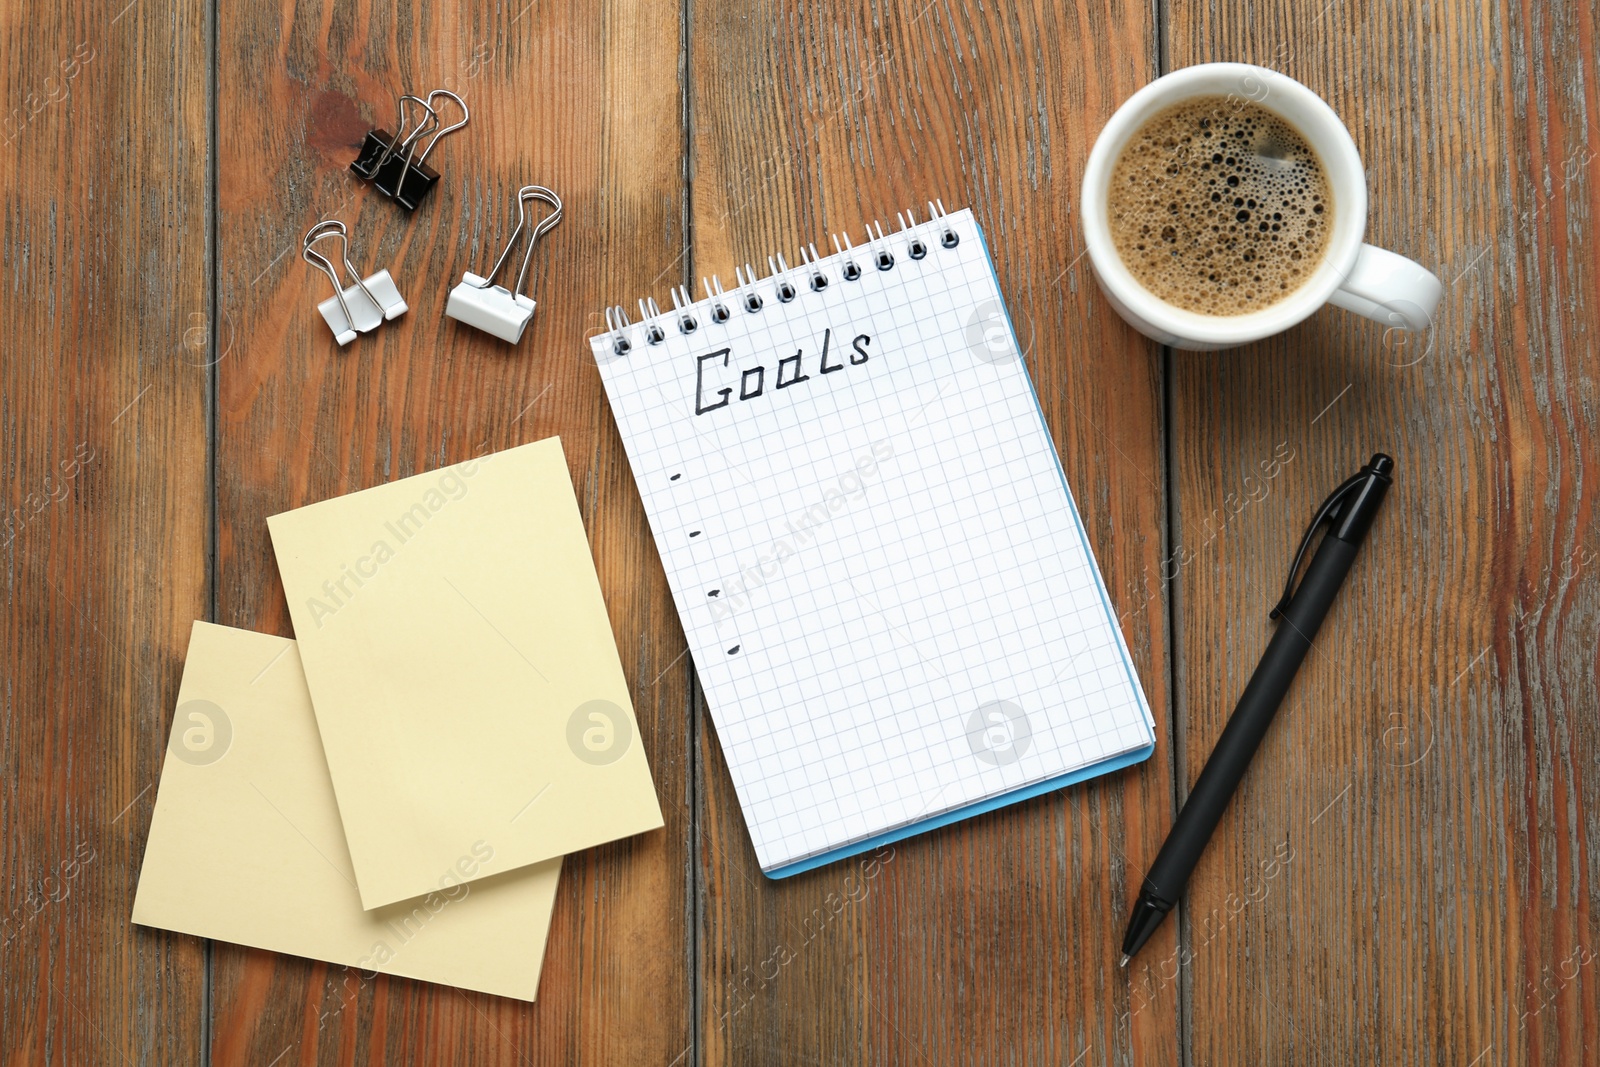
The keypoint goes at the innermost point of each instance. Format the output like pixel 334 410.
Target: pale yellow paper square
pixel 246 846
pixel 464 672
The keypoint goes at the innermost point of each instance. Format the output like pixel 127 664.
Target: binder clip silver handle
pixel 492 308
pixel 358 308
pixel 466 116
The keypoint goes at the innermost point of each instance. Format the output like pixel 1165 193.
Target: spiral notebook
pixel 884 581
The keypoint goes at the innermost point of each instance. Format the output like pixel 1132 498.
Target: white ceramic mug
pixel 1369 281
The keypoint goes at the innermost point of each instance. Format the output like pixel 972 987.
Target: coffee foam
pixel 1219 206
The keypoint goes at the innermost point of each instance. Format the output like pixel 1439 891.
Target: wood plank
pixel 992 941
pixel 559 97
pixel 103 544
pixel 1433 773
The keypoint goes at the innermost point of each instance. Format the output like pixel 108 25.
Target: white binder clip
pixel 494 309
pixel 362 307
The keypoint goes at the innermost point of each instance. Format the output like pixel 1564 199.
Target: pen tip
pixel 1125 959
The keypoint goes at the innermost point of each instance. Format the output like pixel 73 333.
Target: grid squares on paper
pixel 877 565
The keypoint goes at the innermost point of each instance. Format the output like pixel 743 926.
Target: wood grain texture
pixel 1407 876
pixel 987 942
pixel 103 538
pixel 1433 773
pixel 561 96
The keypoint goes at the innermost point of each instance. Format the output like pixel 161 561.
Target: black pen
pixel 1348 513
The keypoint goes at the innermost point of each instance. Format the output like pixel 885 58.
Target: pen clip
pixel 1324 514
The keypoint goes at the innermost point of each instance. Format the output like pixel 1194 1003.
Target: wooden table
pixel 1413 861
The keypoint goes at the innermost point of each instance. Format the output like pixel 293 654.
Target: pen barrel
pixel 1259 702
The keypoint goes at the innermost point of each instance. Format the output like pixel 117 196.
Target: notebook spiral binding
pixel 719 305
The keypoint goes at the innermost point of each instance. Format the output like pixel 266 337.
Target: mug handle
pixel 1389 288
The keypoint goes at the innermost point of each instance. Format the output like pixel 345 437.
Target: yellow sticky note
pixel 464 673
pixel 246 844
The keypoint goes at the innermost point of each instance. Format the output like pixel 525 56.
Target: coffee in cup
pixel 1219 206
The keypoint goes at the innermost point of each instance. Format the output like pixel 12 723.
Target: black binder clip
pixel 392 163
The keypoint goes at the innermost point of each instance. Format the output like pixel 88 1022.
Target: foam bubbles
pixel 1220 207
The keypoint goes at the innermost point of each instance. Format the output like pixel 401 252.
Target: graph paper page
pixel 882 577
